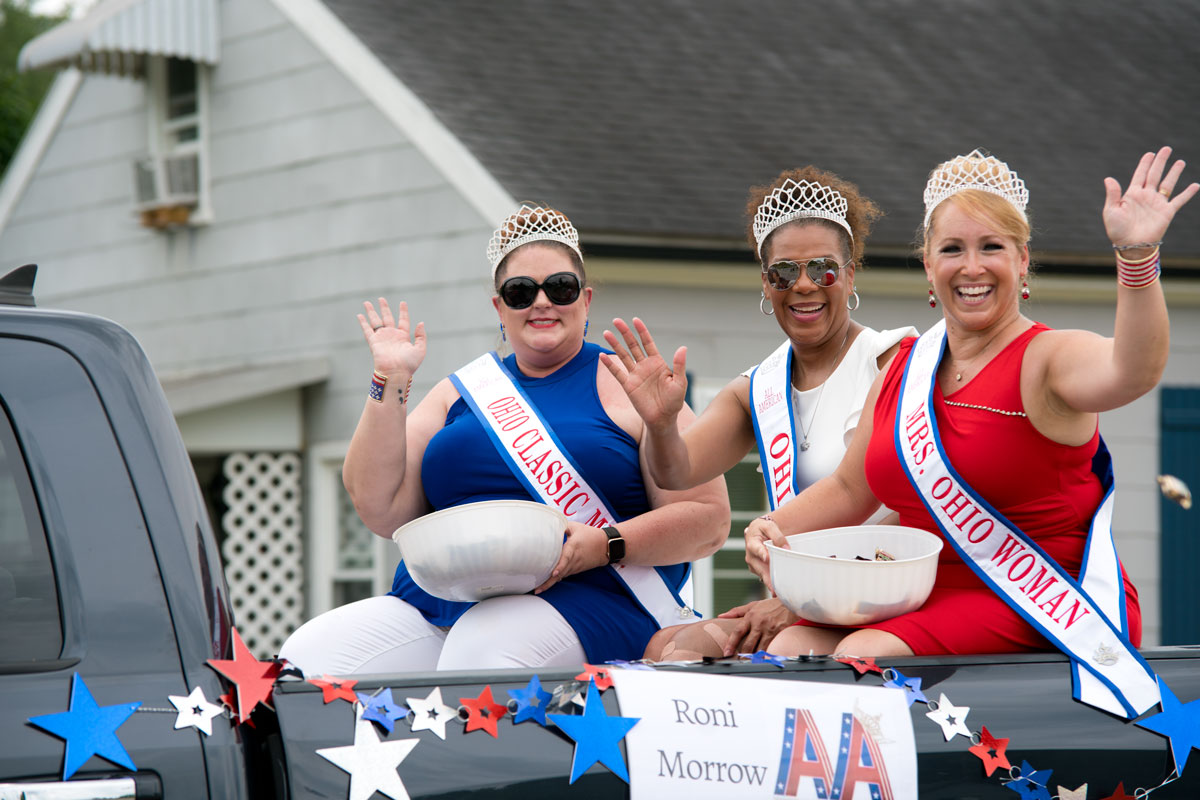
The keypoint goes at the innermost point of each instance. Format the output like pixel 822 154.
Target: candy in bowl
pixel 480 550
pixel 832 576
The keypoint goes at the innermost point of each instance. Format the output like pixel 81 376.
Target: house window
pixel 171 180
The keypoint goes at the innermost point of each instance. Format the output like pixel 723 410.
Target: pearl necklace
pixel 986 408
pixel 804 445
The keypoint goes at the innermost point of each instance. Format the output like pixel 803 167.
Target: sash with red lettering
pixel 1085 619
pixel 537 458
pixel 771 410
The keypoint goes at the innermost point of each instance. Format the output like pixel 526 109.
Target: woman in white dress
pixel 800 405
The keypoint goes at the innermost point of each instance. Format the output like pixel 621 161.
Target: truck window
pixel 30 626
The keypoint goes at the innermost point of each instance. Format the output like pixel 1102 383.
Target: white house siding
pixel 318 202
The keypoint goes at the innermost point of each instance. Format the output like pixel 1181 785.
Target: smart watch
pixel 616 545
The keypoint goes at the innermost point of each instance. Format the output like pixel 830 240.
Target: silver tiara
pixel 795 200
pixel 976 170
pixel 531 224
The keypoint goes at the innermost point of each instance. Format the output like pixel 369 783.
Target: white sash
pixel 1086 622
pixel 531 450
pixel 771 410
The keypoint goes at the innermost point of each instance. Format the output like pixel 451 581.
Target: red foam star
pixel 485 712
pixel 601 675
pixel 861 665
pixel 991 751
pixel 252 679
pixel 332 688
pixel 1119 794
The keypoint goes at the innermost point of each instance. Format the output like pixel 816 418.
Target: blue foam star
pixel 89 729
pixel 597 736
pixel 911 687
pixel 531 702
pixel 1032 783
pixel 763 657
pixel 382 709
pixel 1179 722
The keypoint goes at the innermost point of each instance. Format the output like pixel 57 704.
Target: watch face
pixel 616 545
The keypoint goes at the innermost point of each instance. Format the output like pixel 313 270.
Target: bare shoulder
pixel 616 403
pixel 1053 347
pixel 885 358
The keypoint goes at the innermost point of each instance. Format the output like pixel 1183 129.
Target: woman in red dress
pixel 1016 405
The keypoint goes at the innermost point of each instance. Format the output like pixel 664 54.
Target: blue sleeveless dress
pixel 609 622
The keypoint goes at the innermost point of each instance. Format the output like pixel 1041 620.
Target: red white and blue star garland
pixel 89 729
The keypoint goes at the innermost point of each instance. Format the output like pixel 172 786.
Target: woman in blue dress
pixel 402 465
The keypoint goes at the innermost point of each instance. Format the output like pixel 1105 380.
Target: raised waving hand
pixel 1144 212
pixel 393 347
pixel 655 389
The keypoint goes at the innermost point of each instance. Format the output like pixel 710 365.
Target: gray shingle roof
pixel 651 118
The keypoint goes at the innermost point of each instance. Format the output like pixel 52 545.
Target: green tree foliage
pixel 20 93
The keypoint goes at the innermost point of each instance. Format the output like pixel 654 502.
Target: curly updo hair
pixel 861 211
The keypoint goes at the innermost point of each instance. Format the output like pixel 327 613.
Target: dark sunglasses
pixel 561 288
pixel 823 272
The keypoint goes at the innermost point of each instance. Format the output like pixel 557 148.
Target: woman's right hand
pixel 758 559
pixel 656 391
pixel 392 348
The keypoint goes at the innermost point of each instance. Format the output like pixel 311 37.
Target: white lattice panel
pixel 263 548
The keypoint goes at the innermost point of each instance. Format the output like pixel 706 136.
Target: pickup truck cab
pixel 109 571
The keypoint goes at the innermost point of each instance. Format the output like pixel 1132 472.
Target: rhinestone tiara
pixel 976 170
pixel 795 200
pixel 531 224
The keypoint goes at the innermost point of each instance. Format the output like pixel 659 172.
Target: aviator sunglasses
pixel 561 288
pixel 782 275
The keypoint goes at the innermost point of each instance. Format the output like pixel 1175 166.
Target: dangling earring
pixel 762 306
pixel 854 296
pixel 503 338
pixel 1024 289
pixel 932 299
pixel 586 323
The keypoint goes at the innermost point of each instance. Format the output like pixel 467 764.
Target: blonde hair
pixel 985 208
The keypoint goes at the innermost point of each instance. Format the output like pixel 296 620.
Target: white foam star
pixel 952 718
pixel 431 714
pixel 371 763
pixel 195 711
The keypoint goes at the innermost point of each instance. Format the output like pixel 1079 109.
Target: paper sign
pixel 721 736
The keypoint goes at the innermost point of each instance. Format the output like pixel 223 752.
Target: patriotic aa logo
pixel 804 760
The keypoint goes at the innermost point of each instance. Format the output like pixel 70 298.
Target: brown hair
pixel 517 226
pixel 861 212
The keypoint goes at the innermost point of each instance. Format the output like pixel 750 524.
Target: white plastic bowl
pixel 480 550
pixel 844 591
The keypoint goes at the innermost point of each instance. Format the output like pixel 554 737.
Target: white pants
pixel 386 634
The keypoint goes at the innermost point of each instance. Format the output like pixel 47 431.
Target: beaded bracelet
pixel 1140 273
pixel 1136 245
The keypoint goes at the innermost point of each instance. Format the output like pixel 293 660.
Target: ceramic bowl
pixel 480 550
pixel 845 591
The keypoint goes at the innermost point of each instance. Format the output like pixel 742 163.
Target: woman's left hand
pixel 584 548
pixel 1145 211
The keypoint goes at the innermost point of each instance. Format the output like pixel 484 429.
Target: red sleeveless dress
pixel 1046 489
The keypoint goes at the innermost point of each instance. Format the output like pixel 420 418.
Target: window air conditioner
pixel 167 189
pixel 166 182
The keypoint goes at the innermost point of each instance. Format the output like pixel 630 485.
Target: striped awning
pixel 117 35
